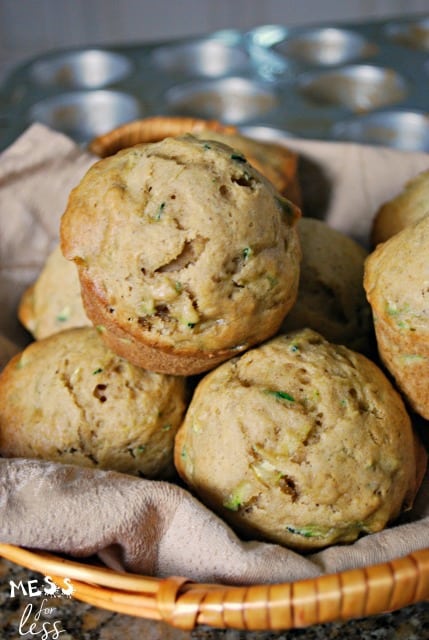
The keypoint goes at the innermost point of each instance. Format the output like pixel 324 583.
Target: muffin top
pixel 184 244
pixel 69 398
pixel 300 442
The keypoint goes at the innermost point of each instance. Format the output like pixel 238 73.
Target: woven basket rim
pixel 185 604
pixel 151 129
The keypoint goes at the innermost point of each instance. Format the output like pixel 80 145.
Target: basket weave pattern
pixel 152 129
pixel 183 604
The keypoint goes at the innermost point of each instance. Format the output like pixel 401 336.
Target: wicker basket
pixel 151 130
pixel 184 604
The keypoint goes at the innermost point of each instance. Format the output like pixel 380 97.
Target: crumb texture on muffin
pixel 53 303
pixel 182 247
pixel 68 398
pixel 299 442
pixel 397 287
pixel 276 162
pixel 331 298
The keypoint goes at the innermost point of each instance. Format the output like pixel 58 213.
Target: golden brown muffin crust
pixel 397 287
pixel 300 442
pixel 331 298
pixel 276 162
pixel 70 399
pixel 184 248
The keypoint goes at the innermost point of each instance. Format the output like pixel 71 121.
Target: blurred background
pixel 29 27
pixel 365 80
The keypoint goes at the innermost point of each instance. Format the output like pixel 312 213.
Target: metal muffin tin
pixel 365 82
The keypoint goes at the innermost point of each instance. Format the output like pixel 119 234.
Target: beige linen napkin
pixel 157 528
pixel 37 173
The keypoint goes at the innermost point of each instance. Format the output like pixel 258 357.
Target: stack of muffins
pixel 193 324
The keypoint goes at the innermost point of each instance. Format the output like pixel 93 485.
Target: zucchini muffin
pixel 53 303
pixel 300 442
pixel 409 206
pixel 397 286
pixel 186 255
pixel 68 398
pixel 331 298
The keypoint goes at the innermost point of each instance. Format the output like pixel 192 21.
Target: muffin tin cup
pixel 233 100
pixel 326 46
pixel 87 69
pixel 85 114
pixel 356 87
pixel 312 82
pixel 414 34
pixel 406 130
pixel 203 58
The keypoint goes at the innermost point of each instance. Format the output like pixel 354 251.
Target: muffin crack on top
pixel 195 257
pixel 318 448
pixel 84 435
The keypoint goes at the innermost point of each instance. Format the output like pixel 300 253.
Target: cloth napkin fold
pixel 158 528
